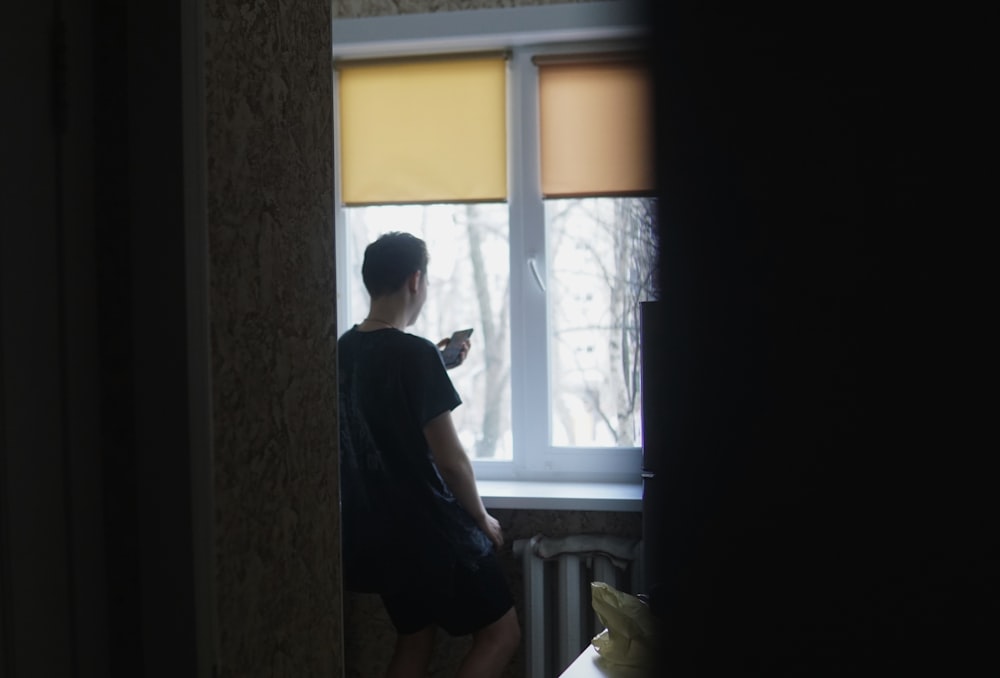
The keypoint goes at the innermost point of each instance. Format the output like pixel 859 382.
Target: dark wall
pixel 809 520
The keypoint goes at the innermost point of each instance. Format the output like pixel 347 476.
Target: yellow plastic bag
pixel 631 630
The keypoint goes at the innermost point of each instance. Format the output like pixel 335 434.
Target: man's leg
pixel 492 648
pixel 412 656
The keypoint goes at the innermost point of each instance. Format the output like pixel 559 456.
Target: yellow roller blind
pixel 596 134
pixel 427 130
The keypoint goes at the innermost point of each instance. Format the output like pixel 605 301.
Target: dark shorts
pixel 479 598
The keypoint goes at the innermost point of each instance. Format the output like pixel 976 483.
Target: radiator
pixel 559 620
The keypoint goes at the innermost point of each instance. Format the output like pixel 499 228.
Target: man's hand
pixel 491 526
pixel 466 345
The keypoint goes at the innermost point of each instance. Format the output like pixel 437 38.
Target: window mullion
pixel 527 244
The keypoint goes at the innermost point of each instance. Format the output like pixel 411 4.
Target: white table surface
pixel 592 665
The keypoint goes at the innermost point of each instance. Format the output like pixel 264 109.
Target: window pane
pixel 469 280
pixel 601 264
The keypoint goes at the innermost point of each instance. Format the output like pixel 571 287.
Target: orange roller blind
pixel 423 130
pixel 596 131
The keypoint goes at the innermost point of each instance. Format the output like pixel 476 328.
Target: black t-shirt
pixel 400 520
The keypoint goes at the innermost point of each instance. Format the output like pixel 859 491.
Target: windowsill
pixel 560 496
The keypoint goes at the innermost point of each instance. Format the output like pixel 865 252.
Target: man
pixel 414 526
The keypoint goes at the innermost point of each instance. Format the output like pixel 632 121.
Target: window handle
pixel 534 271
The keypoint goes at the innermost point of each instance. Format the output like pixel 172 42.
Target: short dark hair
pixel 390 260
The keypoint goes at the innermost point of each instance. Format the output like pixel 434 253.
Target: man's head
pixel 395 273
pixel 390 261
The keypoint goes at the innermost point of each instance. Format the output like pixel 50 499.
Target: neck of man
pixel 387 311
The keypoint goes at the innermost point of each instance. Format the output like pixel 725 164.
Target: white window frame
pixel 523 33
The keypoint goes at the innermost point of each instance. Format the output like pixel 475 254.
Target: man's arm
pixel 456 469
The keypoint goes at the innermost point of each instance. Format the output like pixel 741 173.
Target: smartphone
pixel 454 347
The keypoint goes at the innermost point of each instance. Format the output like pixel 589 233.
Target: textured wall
pixel 350 9
pixel 369 635
pixel 270 213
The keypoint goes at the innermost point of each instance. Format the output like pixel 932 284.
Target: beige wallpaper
pixel 352 9
pixel 270 212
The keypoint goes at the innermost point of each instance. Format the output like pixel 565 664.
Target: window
pixel 520 156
